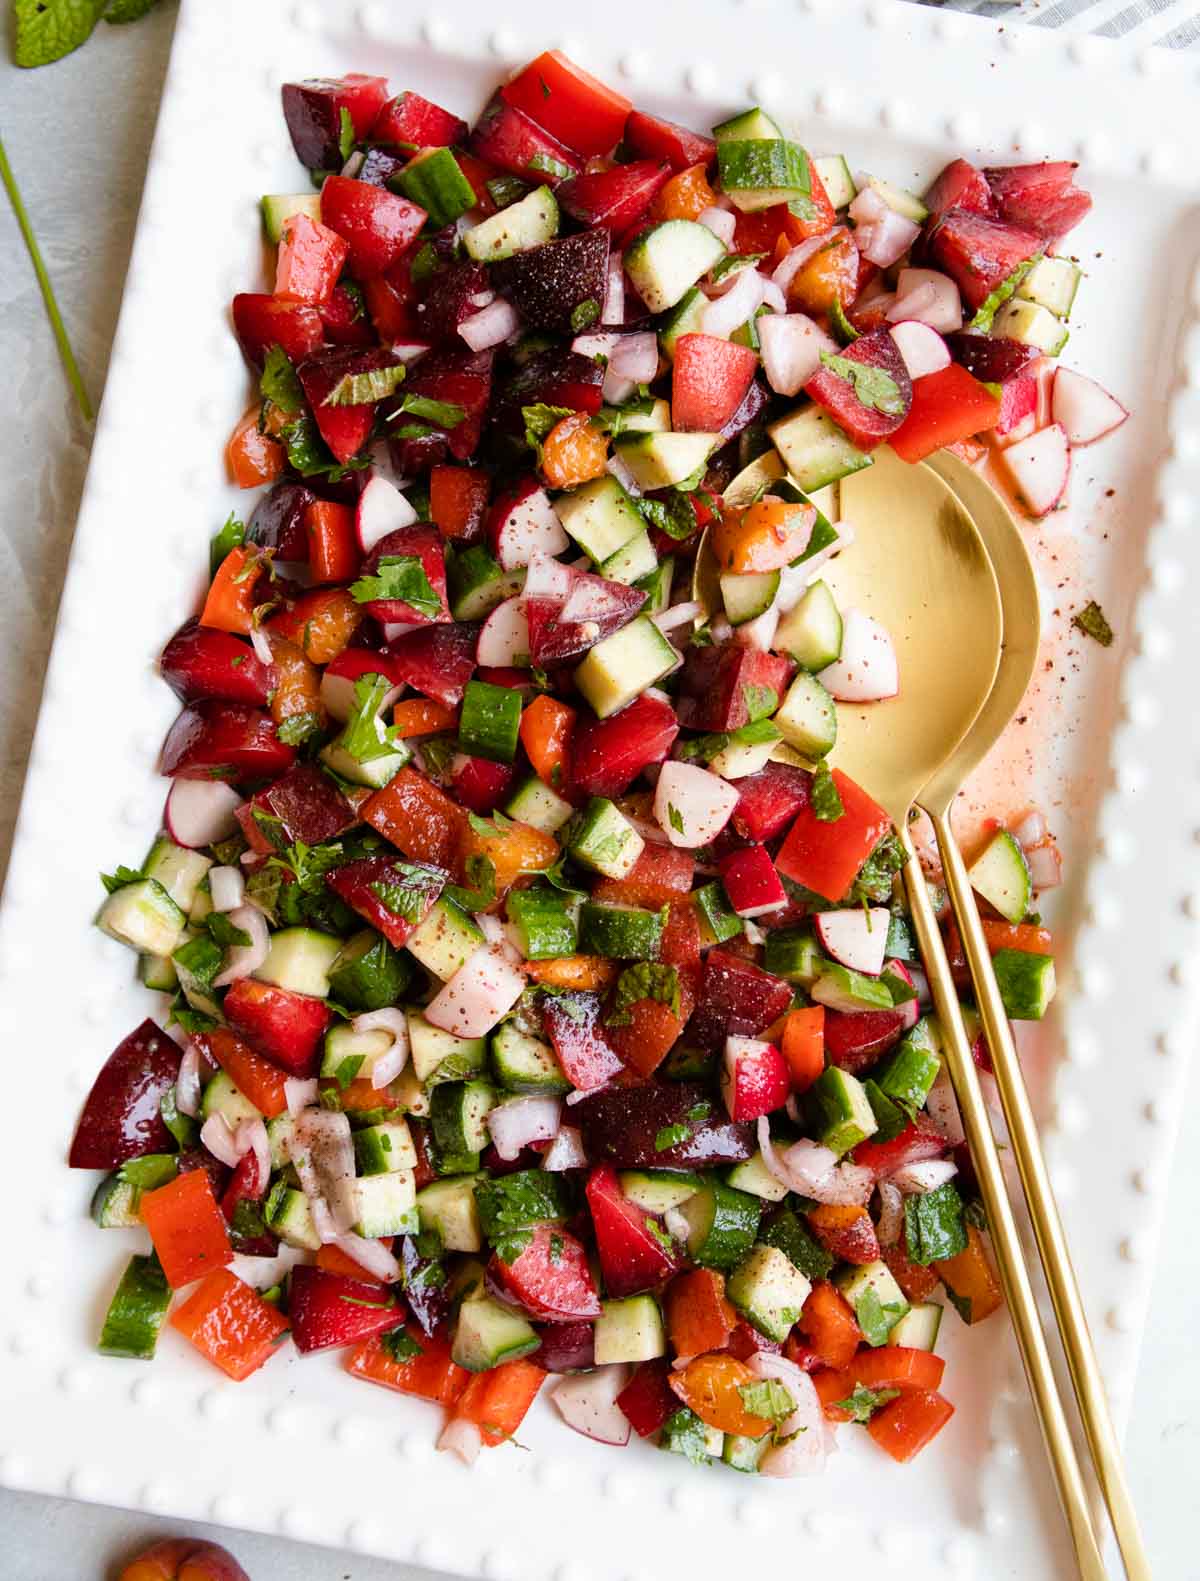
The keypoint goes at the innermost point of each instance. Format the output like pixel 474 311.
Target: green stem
pixel 47 290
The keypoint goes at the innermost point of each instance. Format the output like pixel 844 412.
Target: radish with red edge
pixel 692 806
pixel 923 349
pixel 504 637
pixel 751 882
pixel 792 344
pixel 588 1403
pixel 754 1078
pixel 1084 410
pixel 200 811
pixel 909 1009
pixel 478 996
pixel 858 939
pixel 867 670
pixel 381 510
pixel 1040 467
pixel 1018 406
pixel 341 674
pixel 522 523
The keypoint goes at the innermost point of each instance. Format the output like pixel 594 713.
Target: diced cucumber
pixel 1052 284
pixel 137 1311
pixel 201 907
pixel 620 667
pixel 740 758
pixel 839 1110
pixel 787 1231
pixel 794 954
pixel 656 585
pixel 445 940
pixel 179 870
pixel 349 1054
pixel 1001 875
pixel 807 717
pixel 458 1112
pixel 600 517
pixel 735 263
pixel 375 773
pixel 668 258
pixel 448 1206
pixel 299 960
pixel 812 631
pixel 743 1453
pixel 623 933
pixel 368 973
pixel 525 224
pixel 685 318
pixel 278 207
pixel 386 1205
pixel 509 1203
pixel 280 1130
pixel 814 449
pixel 683 1433
pixel 157 972
pixel 722 1224
pixel 632 561
pixel 287 1212
pixel 434 180
pixel 629 1330
pixel 544 923
pixel 718 920
pixel 384 1148
pixel 116 1204
pixel 910 1070
pixel 840 988
pixel 1031 324
pixel 877 1300
pixel 918 1328
pixel 603 839
pixel 660 461
pixel 490 721
pixel 488 1334
pixel 222 1097
pixel 658 1190
pixel 758 173
pixel 901 202
pixel 525 1064
pixel 1027 983
pixel 748 595
pixel 753 1176
pixel 755 125
pixel 144 916
pixel 408 1094
pixel 769 1291
pixel 641 414
pixel 476 583
pixel 749 484
pixel 534 803
pixel 839 184
pixel 438 1055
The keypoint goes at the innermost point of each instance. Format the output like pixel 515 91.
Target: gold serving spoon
pixel 1022 626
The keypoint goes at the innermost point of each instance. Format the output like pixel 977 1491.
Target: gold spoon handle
pixel 1014 1275
pixel 1043 1211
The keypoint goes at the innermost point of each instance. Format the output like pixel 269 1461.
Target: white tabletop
pixel 77 135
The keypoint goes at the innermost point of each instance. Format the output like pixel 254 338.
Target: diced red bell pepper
pixel 865 426
pixel 218 740
pixel 333 553
pixel 803 1045
pixel 960 186
pixel 826 857
pixel 647 1399
pixel 230 1324
pixel 496 1401
pixel 377 226
pixel 329 1309
pixel 573 1025
pixel 232 596
pixel 430 1375
pixel 916 1142
pixel 313 112
pixel 481 785
pixel 458 498
pixel 254 1077
pixel 896 1367
pixel 311 257
pixel 122 1117
pixel 978 253
pixel 570 103
pixel 418 818
pixel 508 139
pixel 736 997
pixel 1044 197
pixel 904 1426
pixel 410 119
pixel 616 198
pixel 550 1277
pixel 262 321
pixel 423 543
pixel 751 882
pixel 437 661
pixel 187 1227
pixel 754 1078
pixel 709 381
pixel 344 429
pixel 629 1242
pixel 652 137
pixel 845 1231
pixel 364 884
pixel 284 1026
pixel 609 754
pixel 946 406
pixel 769 800
pixel 856 1040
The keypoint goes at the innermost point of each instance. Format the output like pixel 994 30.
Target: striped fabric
pixel 1173 24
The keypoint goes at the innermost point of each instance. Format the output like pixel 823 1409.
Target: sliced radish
pixel 1085 410
pixel 1040 467
pixel 858 939
pixel 381 509
pixel 200 811
pixel 481 992
pixel 759 633
pixel 692 806
pixel 910 1010
pixel 923 349
pixel 616 389
pixel 595 598
pixel 636 356
pixel 504 637
pixel 867 670
pixel 227 887
pixel 547 578
pixel 791 350
pixel 941 311
pixel 588 1403
pixel 530 527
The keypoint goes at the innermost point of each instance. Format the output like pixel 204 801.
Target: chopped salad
pixel 543 1010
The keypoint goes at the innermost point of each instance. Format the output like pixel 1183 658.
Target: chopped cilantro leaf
pixel 297 728
pixel 365 736
pixel 401 577
pixel 539 419
pixel 345 133
pixel 674 817
pixel 826 798
pixel 231 536
pixel 1092 622
pixel 767 1398
pixel 863 1402
pixel 447 414
pixel 121 878
pixel 399 1344
pixel 278 382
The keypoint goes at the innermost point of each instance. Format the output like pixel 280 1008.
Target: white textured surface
pixel 191 1446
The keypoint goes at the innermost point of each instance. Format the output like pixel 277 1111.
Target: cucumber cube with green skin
pixel 1027 983
pixel 143 916
pixel 722 1224
pixel 386 1204
pixel 657 586
pixel 667 259
pixel 718 920
pixel 630 1330
pixel 476 583
pixel 534 803
pixel 445 940
pixel 890 1119
pixel 1031 324
pixel 632 561
pixel 489 721
pixel 374 774
pixel 793 954
pixel 909 1071
pixel 814 449
pixel 1052 284
pixel 807 717
pixel 788 1231
pixel 758 173
pixel 384 1149
pixel 601 517
pixel 742 758
pixel 685 318
pixel 840 988
pixel 746 595
pixel 877 1300
pixel 157 972
pixel 839 184
pixel 662 461
pixel 287 1212
pixel 603 839
pixel 744 1454
pixel 448 1206
pixel 349 1053
pixel 221 1097
pixel 433 179
pixel 753 1176
pixel 279 207
pixel 769 1291
pixel 299 959
pixel 438 1055
pixel 137 1311
pixel 458 1113
pixel 525 1064
pixel 544 923
pixel 280 1130
pixel 918 1328
pixel 488 1334
pixel 839 1111
pixel 623 933
pixel 659 1190
pixel 621 667
pixel 178 869
pixel 755 125
pixel 812 630
pixel 368 973
pixel 116 1204
pixel 1001 875
pixel 200 908
pixel 522 225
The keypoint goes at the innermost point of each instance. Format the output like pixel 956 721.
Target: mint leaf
pixel 401 577
pixel 874 881
pixel 345 133
pixel 481 876
pixel 297 728
pixel 547 165
pixel 824 795
pixel 1092 622
pixel 675 516
pixel 446 413
pixel 231 536
pixel 402 900
pixel 988 309
pixel 123 877
pixel 360 389
pixel 539 419
pixel 584 315
pixel 365 736
pixel 863 1402
pixel 670 1136
pixel 933 1225
pixel 761 702
pixel 646 980
pixel 278 382
pixel 308 863
pixel 46 30
pixel 842 327
pixel 767 1398
pixel 224 932
pixel 872 386
pixel 707 747
pixel 399 1344
pixel 309 454
pixel 674 817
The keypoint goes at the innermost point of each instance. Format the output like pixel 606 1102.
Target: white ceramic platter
pixel 301 1448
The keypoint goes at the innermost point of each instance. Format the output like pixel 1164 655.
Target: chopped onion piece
pixel 300 1092
pixel 227 887
pixel 251 1137
pixel 886 240
pixel 891 1213
pixel 1032 829
pixel 490 326
pixel 728 312
pixel 773 297
pixel 187 1083
pixel 463 1439
pixel 242 959
pixel 925 1175
pixel 720 222
pixel 261 644
pixel 616 388
pixel 942 1108
pixel 1045 866
pixel 371 1255
pixel 613 311
pixel 800 1447
pixel 520 1121
pixel 323 1155
pixel 867 207
pixel 218 1139
pixel 387 1066
pixel 636 356
pixel 677 615
pixel 566 1150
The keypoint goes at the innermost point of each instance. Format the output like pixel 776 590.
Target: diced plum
pixel 960 186
pixel 566 1347
pixel 313 112
pixel 378 226
pixel 460 377
pixel 428 1297
pixel 450 298
pixel 573 1025
pixel 846 1233
pixel 991 359
pixel 507 138
pixel 609 754
pixel 408 118
pixel 284 1026
pixel 769 800
pixel 651 137
pixel 345 429
pixel 633 1255
pixel 854 1041
pixel 865 425
pixel 754 402
pixel 277 521
pixel 365 887
pixel 736 998
pixel 262 321
pixel 309 805
pixel 343 319
pixel 212 739
pixel 332 1309
pixel 648 1399
pixel 624 1124
pixel 481 785
pixel 915 1143
pixel 710 380
pixel 1042 198
pixel 122 1117
pixel 437 661
pixel 553 640
pixel 200 661
pixel 718 685
pixel 557 285
pixel 556 377
pixel 978 253
pixel 550 1277
pixel 616 198
pixel 421 542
